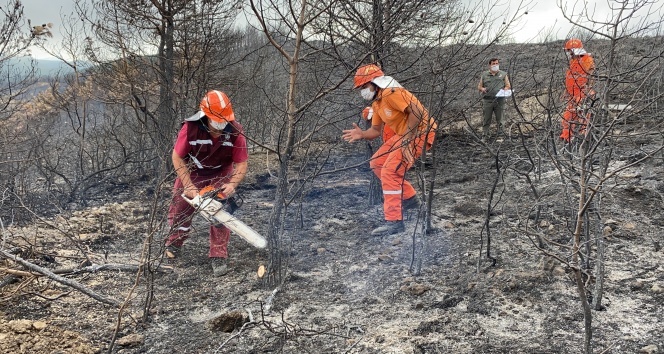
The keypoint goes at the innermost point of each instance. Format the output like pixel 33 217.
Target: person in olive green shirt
pixel 491 82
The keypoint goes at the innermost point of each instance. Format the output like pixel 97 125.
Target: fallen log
pixel 68 282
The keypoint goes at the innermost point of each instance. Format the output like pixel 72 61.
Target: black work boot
pixel 389 228
pixel 411 203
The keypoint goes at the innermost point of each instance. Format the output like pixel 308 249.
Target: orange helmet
pixel 573 43
pixel 366 73
pixel 367 113
pixel 216 106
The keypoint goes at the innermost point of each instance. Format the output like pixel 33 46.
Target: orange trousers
pixel 390 167
pixel 573 121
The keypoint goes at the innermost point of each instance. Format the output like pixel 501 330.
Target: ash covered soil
pixel 346 291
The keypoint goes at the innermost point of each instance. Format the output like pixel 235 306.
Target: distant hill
pixel 52 67
pixel 19 68
pixel 44 67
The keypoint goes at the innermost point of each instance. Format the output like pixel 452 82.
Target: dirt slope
pixel 348 292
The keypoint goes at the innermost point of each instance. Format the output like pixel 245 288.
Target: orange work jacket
pixel 576 79
pixel 390 108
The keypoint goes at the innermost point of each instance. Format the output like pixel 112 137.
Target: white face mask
pixel 579 51
pixel 367 94
pixel 495 68
pixel 217 125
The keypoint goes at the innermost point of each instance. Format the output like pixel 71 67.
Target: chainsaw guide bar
pixel 213 211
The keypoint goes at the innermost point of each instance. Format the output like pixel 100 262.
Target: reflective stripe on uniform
pixel 185 229
pixel 195 160
pixel 201 142
pixel 227 143
pixel 392 192
pixel 200 165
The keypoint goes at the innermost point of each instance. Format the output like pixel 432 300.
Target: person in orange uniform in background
pixel 414 131
pixel 577 87
pixel 211 150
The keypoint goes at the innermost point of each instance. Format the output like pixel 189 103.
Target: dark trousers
pixel 490 107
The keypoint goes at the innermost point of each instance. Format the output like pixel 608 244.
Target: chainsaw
pixel 218 212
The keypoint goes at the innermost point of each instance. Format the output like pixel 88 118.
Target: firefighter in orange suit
pixel 367 114
pixel 414 131
pixel 577 88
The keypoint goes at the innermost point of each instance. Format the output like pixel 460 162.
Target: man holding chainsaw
pixel 414 131
pixel 210 151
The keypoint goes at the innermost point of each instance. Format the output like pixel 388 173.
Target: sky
pixel 45 11
pixel 543 15
pixel 539 19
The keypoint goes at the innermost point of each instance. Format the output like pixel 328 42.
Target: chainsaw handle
pixel 195 201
